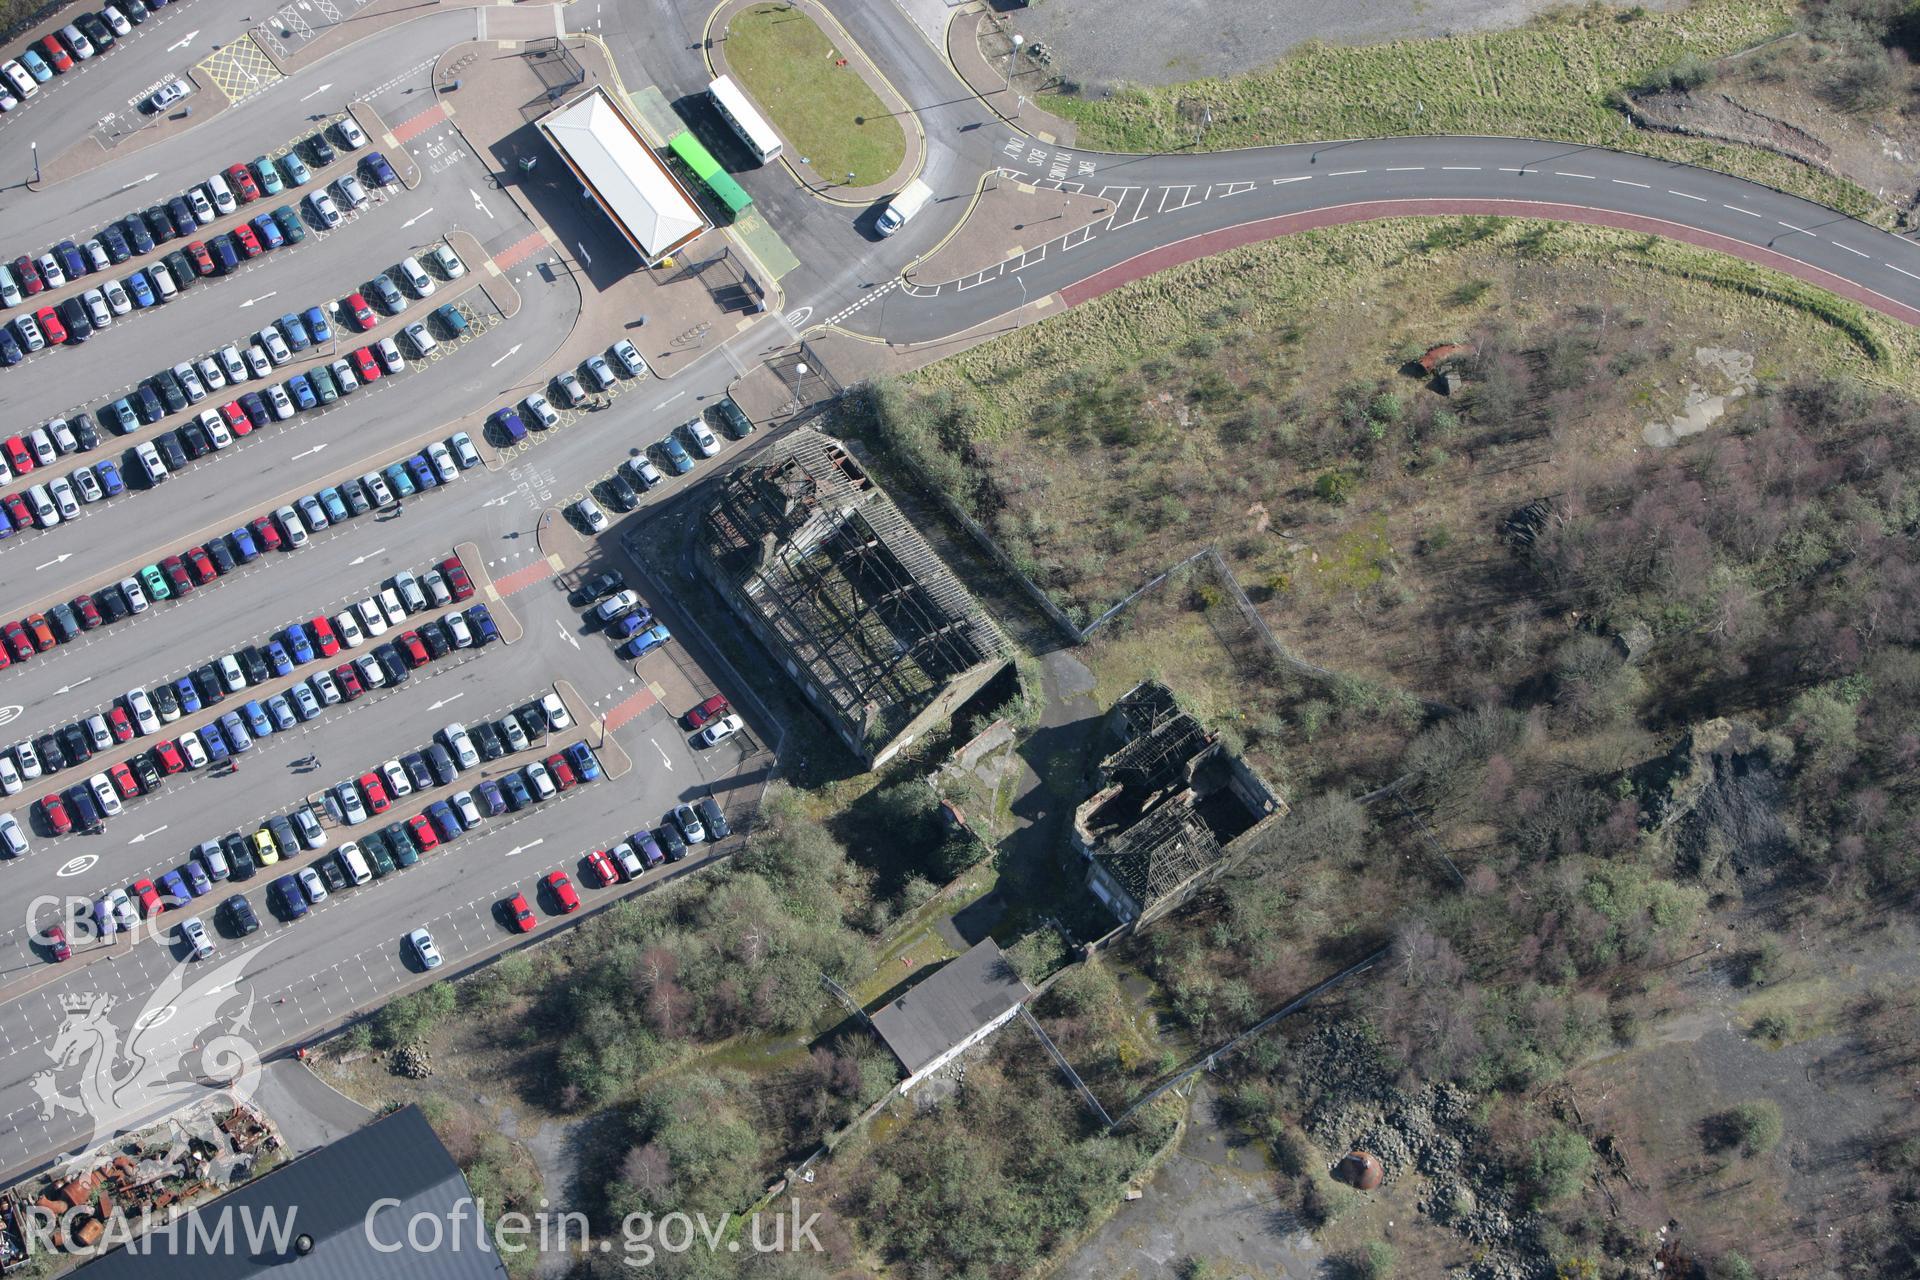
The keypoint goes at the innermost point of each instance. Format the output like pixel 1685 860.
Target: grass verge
pixel 827 112
pixel 1557 77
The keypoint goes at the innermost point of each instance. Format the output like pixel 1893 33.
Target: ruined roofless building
pixel 846 595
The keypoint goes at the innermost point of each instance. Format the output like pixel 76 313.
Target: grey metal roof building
pixel 324 1203
pixel 956 1007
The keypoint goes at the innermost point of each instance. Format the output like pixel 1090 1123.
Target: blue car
pixel 296 332
pixel 489 797
pixel 423 475
pixel 297 641
pixel 317 325
pixel 139 290
pixel 120 416
pixel 336 505
pixel 256 718
pixel 444 820
pixel 629 623
pixel 244 547
pixel 679 461
pixel 302 392
pixel 36 66
pixel 6 525
pixel 399 481
pixel 197 882
pixel 509 424
pixel 173 889
pixel 293 900
pixel 270 234
pixel 645 642
pixel 188 694
pixel 480 618
pixel 10 351
pixel 237 736
pixel 584 762
pixel 515 789
pixel 211 739
pixel 282 713
pixel 109 475
pixel 279 659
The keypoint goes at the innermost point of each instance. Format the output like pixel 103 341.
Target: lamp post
pixel 1018 41
pixel 36 162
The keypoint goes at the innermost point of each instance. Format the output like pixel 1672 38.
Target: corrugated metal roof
pixel 327 1194
pixel 625 177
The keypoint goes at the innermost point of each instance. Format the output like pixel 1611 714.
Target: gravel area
pixel 1101 43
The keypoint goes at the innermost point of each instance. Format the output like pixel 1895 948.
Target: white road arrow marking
pixel 64 556
pixel 522 848
pixel 565 635
pixel 296 457
pixel 416 217
pixel 317 92
pixel 183 41
pixel 445 701
pixel 69 688
pixel 663 754
pixel 144 834
pixel 501 501
pixel 510 350
pixel 479 204
pixel 360 560
pixel 262 298
pixel 137 181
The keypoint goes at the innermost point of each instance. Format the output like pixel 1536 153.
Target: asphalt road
pixel 290 980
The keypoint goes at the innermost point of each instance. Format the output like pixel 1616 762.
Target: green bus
pixel 708 170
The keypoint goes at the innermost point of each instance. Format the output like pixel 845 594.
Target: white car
pixel 117 300
pixel 537 406
pixel 419 339
pixel 277 349
pixel 449 262
pixel 443 464
pixel 231 363
pixel 350 634
pixel 591 515
pixel 98 311
pixel 371 616
pixel 202 207
pixel 13 838
pixel 462 745
pixel 458 628
pixel 724 727
pixel 312 834
pixel 347 796
pixel 351 135
pixel 104 795
pixel 398 784
pixel 145 719
pixel 324 209
pixel 28 759
pixel 351 193
pixel 557 714
pixel 195 752
pixel 167 94
pixel 538 780
pixel 194 934
pixel 703 439
pixel 278 400
pixel 259 363
pixel 222 194
pixel 10 779
pixel 390 358
pixel 310 881
pixel 422 943
pixel 416 277
pixel 120 907
pixel 465 809
pixel 463 451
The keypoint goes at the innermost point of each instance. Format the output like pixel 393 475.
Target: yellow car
pixel 264 851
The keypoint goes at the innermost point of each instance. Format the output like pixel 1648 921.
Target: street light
pixel 1018 41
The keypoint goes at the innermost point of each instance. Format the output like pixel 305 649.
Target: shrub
pixel 1774 1027
pixel 1557 1164
pixel 1374 1262
pixel 1753 1127
pixel 1731 1266
pixel 1335 487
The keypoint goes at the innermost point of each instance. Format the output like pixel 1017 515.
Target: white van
pixel 354 863
pixel 45 514
pixel 917 196
pixel 150 460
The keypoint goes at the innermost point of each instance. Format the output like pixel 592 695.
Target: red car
pixel 53 811
pixel 363 317
pixel 423 832
pixel 18 643
pixel 712 709
pixel 167 758
pixel 177 576
pixel 50 324
pixel 247 242
pixel 265 533
pixel 321 629
pixel 602 867
pixel 562 890
pixel 457 579
pixel 237 420
pixel 562 772
pixel 202 258
pixel 150 904
pixel 39 631
pixel 123 781
pixel 28 275
pixel 349 681
pixel 415 648
pixel 243 184
pixel 520 913
pixel 202 565
pixel 19 457
pixel 56 54
pixel 119 724
pixel 56 939
pixel 87 611
pixel 365 367
pixel 5 661
pixel 375 792
pixel 17 510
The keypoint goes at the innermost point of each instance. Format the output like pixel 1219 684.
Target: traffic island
pixel 503 615
pixel 1007 218
pixel 850 138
